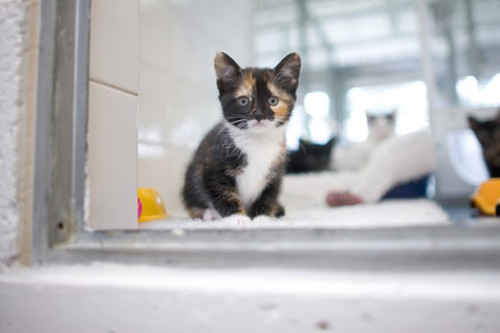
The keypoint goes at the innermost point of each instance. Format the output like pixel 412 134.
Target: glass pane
pixel 465 44
pixel 365 55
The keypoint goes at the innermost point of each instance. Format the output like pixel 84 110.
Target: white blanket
pixel 386 214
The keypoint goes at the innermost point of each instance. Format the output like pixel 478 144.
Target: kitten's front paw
pixel 237 219
pixel 210 215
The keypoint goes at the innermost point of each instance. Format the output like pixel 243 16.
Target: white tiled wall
pixel 113 104
pixel 164 69
pixel 177 90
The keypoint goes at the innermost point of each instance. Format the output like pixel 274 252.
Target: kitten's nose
pixel 258 117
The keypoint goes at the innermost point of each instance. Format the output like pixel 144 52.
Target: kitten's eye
pixel 243 101
pixel 273 100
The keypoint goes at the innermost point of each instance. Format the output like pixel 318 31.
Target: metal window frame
pixel 60 236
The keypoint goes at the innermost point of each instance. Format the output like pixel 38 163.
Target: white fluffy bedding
pixel 386 214
pixel 304 199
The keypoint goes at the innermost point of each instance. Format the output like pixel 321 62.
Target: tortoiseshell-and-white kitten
pixel 238 166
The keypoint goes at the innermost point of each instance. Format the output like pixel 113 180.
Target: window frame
pixel 59 232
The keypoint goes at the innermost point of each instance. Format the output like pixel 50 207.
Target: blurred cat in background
pixel 488 135
pixel 356 156
pixel 366 172
pixel 310 157
pixel 397 160
pixel 382 163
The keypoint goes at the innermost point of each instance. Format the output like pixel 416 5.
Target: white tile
pixel 112 164
pixel 174 110
pixel 190 115
pixel 155 33
pixel 237 19
pixel 155 101
pixel 189 54
pixel 114 40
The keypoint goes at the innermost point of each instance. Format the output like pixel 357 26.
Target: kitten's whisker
pixel 236 120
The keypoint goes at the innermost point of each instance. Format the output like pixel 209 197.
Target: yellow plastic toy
pixel 487 197
pixel 151 205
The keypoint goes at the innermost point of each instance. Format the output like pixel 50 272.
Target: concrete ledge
pixel 113 298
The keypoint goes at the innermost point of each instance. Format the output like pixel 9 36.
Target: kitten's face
pixel 257 98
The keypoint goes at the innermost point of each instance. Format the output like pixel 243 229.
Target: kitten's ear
pixel 227 70
pixel 287 72
pixel 473 123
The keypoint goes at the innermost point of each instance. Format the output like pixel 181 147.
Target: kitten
pixel 488 135
pixel 356 156
pixel 238 166
pixel 310 157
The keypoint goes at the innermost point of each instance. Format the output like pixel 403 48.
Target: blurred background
pixel 434 62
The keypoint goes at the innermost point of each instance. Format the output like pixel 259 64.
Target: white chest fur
pixel 262 150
